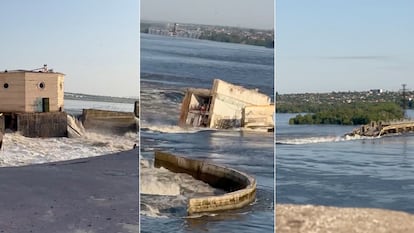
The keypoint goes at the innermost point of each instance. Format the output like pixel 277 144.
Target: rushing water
pixel 169 66
pixel 18 150
pixel 317 165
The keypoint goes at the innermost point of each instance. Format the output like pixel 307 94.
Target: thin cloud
pixel 357 57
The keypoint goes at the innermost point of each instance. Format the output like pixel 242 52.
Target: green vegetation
pixel 315 102
pixel 238 38
pixel 299 106
pixel 350 114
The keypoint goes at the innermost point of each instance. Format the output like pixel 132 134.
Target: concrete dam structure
pixel 226 106
pixel 112 121
pixel 241 187
pixel 376 129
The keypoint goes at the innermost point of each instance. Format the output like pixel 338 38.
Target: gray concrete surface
pixel 324 219
pixel 90 195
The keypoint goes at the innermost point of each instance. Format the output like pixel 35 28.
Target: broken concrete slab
pixel 109 121
pixel 226 105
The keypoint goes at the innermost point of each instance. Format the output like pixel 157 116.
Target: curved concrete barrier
pixel 241 187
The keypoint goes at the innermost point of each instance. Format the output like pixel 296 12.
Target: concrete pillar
pixel 136 109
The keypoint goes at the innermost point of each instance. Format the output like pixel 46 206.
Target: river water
pixel 317 165
pixel 168 66
pixel 19 150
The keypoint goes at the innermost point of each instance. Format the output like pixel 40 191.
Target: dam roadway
pixel 97 194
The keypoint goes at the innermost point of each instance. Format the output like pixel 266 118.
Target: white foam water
pixel 18 150
pixel 313 140
pixel 157 182
pixel 173 129
pixel 165 193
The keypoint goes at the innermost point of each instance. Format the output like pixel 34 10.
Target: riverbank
pixel 98 194
pixel 351 114
pixel 321 219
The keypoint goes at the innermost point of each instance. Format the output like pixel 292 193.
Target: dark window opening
pixel 45 105
pixel 6 85
pixel 10 121
pixel 42 85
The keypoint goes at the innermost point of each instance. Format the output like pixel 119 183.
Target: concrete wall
pixel 47 124
pixel 136 109
pixel 2 124
pixel 228 102
pixel 53 89
pixel 185 104
pixel 189 100
pixel 12 98
pixel 112 121
pixel 259 116
pixel 241 187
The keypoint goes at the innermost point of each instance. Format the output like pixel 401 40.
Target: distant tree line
pixel 350 114
pixel 300 107
pixel 236 38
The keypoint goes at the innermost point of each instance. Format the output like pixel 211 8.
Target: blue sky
pixel 240 13
pixel 94 42
pixel 324 46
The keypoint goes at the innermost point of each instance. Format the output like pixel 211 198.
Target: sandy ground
pixel 89 195
pixel 323 219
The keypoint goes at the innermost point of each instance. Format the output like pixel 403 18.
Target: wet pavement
pixel 91 195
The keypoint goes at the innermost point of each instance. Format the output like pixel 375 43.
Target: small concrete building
pixel 31 91
pixel 32 102
pixel 226 106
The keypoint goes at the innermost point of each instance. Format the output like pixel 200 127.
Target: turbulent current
pixel 318 165
pixel 18 150
pixel 168 67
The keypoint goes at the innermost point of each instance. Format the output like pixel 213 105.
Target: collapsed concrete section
pixel 61 124
pixel 227 106
pixel 109 121
pixel 241 187
pixel 376 129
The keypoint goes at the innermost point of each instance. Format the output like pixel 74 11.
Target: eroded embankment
pixel 309 218
pixel 241 187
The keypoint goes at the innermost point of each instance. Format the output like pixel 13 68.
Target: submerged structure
pixel 240 187
pixel 376 129
pixel 225 106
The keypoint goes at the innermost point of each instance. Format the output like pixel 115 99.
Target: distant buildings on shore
pixel 210 32
pixel 373 95
pixel 175 30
